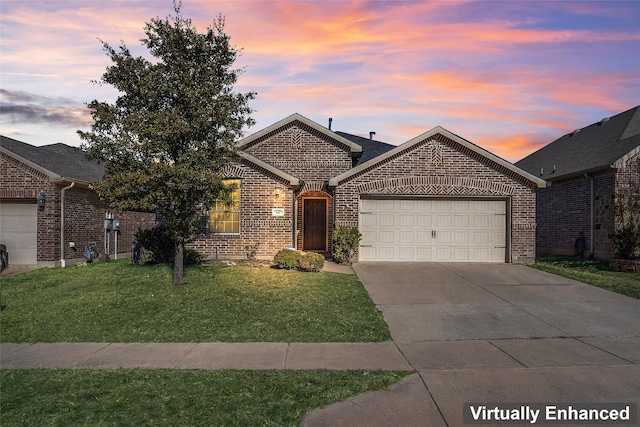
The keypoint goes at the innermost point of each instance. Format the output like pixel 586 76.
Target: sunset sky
pixel 508 76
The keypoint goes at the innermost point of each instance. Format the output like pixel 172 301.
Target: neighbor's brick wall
pixel 84 222
pixel 257 225
pixel 441 167
pixel 84 213
pixel 564 216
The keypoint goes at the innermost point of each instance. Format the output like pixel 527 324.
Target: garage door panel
pixel 406 253
pixel 434 230
pixel 424 220
pixel 386 236
pixel 18 230
pixel 406 220
pixel 386 220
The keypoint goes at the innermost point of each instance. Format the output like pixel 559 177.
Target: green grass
pixel 171 398
pixel 591 271
pixel 119 302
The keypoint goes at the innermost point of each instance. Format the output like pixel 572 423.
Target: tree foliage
pixel 173 126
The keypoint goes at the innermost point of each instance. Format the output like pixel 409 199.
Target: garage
pixel 18 230
pixel 433 230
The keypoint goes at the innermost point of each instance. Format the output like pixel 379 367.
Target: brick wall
pixel 441 167
pixel 258 226
pixel 84 213
pixel 564 216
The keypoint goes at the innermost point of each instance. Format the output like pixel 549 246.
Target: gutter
pixel 62 260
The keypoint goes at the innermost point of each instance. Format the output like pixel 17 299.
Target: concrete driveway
pixel 495 334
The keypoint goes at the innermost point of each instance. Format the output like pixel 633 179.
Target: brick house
pixel 72 214
pixel 437 197
pixel 586 169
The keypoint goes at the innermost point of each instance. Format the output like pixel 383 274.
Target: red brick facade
pixel 84 213
pixel 437 167
pixel 564 212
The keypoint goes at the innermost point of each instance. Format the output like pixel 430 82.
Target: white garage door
pixel 18 230
pixel 454 230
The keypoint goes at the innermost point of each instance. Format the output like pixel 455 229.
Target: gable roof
pixel 427 135
pixel 354 148
pixel 594 148
pixel 60 162
pixel 293 181
pixel 370 147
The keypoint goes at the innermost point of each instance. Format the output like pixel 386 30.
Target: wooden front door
pixel 315 225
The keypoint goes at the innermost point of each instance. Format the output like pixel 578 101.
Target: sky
pixel 509 76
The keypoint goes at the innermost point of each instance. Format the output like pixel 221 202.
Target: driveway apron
pixel 495 334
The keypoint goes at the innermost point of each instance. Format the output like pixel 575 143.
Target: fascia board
pixel 355 148
pixel 293 181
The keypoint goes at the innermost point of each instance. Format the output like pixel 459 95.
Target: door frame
pixel 326 225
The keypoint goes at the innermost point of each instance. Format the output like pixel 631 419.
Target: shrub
pixel 345 243
pixel 159 244
pixel 287 259
pixel 311 262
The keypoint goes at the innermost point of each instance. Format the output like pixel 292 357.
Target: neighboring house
pixel 587 169
pixel 436 198
pixel 71 214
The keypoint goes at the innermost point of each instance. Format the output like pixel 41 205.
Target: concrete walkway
pixel 470 333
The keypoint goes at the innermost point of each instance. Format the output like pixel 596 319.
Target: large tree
pixel 173 126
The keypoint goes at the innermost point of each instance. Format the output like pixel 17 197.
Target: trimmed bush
pixel 311 262
pixel 287 259
pixel 345 243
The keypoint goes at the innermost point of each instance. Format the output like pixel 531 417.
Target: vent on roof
pixel 574 132
pixel 603 121
pixel 330 120
pixel 371 134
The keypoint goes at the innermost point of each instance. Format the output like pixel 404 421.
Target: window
pixel 224 216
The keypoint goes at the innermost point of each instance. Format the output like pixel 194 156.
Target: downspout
pixel 592 209
pixel 62 260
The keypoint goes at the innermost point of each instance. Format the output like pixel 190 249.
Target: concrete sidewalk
pixel 383 356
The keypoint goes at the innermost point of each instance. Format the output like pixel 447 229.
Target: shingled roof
pixel 60 161
pixel 370 147
pixel 594 148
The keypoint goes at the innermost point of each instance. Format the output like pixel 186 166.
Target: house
pixel 49 211
pixel 437 197
pixel 587 169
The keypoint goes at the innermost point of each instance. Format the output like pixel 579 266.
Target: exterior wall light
pixel 41 199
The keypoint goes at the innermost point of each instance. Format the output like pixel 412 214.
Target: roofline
pixel 355 148
pixel 334 182
pixel 622 161
pixel 293 181
pixel 54 178
pixel 52 175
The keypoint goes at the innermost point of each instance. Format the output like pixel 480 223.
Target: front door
pixel 315 225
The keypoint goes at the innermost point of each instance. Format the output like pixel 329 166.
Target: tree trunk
pixel 178 265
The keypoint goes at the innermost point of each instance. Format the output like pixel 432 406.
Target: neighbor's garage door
pixel 453 230
pixel 18 230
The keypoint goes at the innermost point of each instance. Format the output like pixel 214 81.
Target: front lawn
pixel 592 271
pixel 170 398
pixel 120 302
